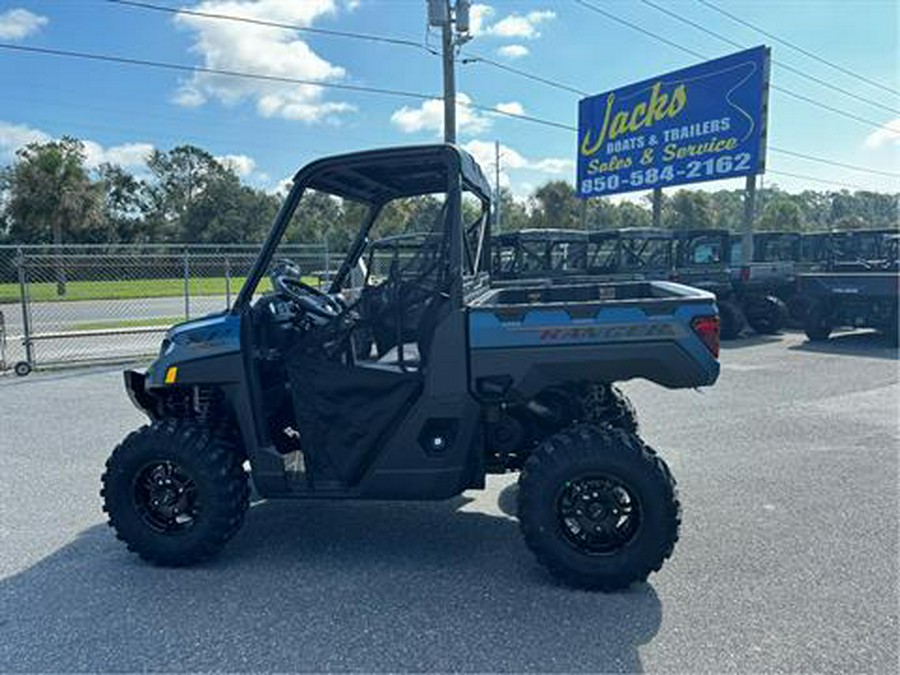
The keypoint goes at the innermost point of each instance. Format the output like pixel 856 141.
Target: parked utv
pixel 860 293
pixel 478 380
pixel 746 292
pixel 552 254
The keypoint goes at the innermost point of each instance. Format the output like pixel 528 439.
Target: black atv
pixel 473 380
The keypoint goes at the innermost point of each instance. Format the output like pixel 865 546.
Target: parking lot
pixel 788 559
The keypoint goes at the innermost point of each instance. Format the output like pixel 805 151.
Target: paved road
pixel 788 471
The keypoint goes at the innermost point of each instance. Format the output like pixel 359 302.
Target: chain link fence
pixel 75 304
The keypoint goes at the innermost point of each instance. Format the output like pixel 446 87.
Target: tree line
pixel 49 195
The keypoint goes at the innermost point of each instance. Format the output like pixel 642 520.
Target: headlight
pixel 166 347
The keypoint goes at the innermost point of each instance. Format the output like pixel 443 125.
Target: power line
pixel 361 36
pixel 483 59
pixel 273 24
pixel 687 50
pixel 820 180
pixel 471 57
pixel 780 64
pixel 797 48
pixel 108 58
pixel 832 162
pixel 356 88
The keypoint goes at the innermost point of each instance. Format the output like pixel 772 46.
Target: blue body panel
pixel 212 336
pixel 628 324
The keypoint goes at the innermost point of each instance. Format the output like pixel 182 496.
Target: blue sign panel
pixel 700 123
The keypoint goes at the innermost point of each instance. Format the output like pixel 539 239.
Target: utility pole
pixel 496 187
pixel 657 207
pixel 444 15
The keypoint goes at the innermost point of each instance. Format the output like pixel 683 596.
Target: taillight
pixel 707 329
pixel 745 274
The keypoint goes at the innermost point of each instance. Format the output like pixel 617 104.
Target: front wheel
pixel 817 324
pixel 175 492
pixel 598 507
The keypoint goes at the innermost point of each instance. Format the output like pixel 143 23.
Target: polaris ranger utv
pixel 491 380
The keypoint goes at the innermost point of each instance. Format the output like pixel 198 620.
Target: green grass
pixel 128 289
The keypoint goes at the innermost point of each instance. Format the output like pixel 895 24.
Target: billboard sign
pixel 701 123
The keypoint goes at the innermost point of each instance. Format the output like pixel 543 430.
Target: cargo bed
pixel 603 331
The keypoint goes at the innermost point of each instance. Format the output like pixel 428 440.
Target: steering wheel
pixel 287 282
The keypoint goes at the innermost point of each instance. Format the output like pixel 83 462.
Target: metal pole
pixel 497 187
pixel 449 79
pixel 227 282
pixel 749 208
pixel 657 207
pixel 327 263
pixel 187 285
pixel 26 309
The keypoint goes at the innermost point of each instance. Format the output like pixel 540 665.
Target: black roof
pixel 377 176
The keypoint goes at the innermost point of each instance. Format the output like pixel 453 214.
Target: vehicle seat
pixel 415 354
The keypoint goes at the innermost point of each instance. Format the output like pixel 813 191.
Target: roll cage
pixel 377 177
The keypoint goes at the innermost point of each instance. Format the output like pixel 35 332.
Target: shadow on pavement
pixel 867 343
pixel 323 586
pixel 753 340
pixel 67 372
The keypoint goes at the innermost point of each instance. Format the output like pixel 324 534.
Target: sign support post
pixel 749 209
pixel 657 207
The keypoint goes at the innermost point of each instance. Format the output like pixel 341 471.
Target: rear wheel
pixel 607 405
pixel 598 507
pixel 174 492
pixel 817 324
pixel 769 315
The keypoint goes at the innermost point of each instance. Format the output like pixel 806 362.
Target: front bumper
pixel 135 385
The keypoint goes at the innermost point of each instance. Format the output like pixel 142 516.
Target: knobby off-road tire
pixel 636 517
pixel 770 317
pixel 817 324
pixel 175 492
pixel 607 405
pixel 731 320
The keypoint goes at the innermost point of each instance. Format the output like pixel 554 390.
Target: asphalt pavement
pixel 788 559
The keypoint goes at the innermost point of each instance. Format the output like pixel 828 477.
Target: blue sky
pixel 269 130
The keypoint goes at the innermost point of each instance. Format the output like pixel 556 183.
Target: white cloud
pixel 276 52
pixel 189 96
pixel 887 134
pixel 15 136
pixel 242 165
pixel 513 108
pixel 511 26
pixel 127 155
pixel 429 116
pixel 484 153
pixel 478 16
pixel 513 51
pixel 20 23
pixel 553 165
